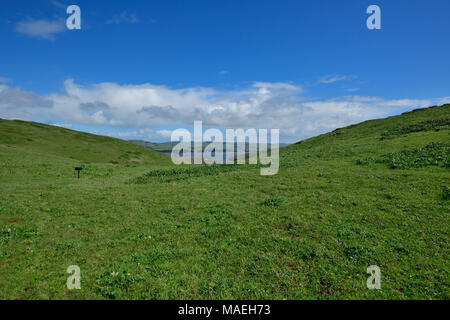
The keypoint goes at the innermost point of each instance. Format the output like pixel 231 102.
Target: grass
pixel 435 124
pixel 181 173
pixel 434 153
pixel 142 228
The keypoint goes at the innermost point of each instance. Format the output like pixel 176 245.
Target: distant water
pixel 224 154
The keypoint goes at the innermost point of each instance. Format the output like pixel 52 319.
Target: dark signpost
pixel 78 169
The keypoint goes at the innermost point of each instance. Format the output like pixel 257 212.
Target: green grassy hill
pixel 375 193
pixel 32 137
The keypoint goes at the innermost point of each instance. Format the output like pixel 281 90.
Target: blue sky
pixel 138 69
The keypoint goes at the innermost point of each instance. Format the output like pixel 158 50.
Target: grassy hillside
pixel 32 137
pixel 372 193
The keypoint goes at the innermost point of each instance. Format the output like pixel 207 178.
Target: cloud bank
pixel 44 29
pixel 147 110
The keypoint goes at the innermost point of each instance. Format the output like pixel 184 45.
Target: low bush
pixel 433 154
pixel 435 124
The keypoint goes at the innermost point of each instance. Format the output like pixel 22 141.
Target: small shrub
pixel 435 124
pixel 446 193
pixel 167 175
pixel 433 154
pixel 111 284
pixel 272 202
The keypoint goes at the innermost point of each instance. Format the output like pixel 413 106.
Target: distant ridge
pixel 46 139
pixel 166 147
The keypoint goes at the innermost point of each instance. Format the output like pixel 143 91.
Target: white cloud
pixel 124 17
pixel 18 104
pixel 58 4
pixel 146 110
pixel 335 78
pixel 44 29
pixel 277 86
pixel 63 125
pixel 223 72
pixel 445 100
pixel 141 134
pixel 324 116
pixel 165 133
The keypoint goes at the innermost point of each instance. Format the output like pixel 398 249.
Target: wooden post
pixel 78 169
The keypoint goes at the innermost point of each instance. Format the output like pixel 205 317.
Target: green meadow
pixel 139 227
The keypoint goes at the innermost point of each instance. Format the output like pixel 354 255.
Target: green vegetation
pixel 141 228
pixel 434 153
pixel 446 193
pixel 185 172
pixel 435 124
pixel 28 138
pixel 272 202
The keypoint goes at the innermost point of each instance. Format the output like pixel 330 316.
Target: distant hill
pixel 42 139
pixel 157 146
pixel 166 147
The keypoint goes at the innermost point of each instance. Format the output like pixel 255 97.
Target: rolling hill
pixel 374 193
pixel 47 140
